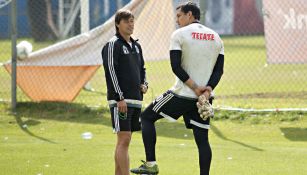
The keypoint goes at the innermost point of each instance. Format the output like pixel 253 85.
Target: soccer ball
pixel 24 48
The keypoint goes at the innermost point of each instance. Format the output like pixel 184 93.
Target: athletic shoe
pixel 145 169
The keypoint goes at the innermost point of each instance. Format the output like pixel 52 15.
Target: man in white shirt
pixel 197 60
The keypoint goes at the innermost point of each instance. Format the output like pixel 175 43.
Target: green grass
pixel 248 81
pixel 45 138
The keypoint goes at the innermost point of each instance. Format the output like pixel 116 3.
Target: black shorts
pixel 171 106
pixel 129 121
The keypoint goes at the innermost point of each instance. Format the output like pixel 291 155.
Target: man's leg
pixel 168 106
pixel 204 149
pixel 121 153
pixel 117 168
pixel 148 118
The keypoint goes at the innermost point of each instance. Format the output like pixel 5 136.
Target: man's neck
pixel 194 21
pixel 126 37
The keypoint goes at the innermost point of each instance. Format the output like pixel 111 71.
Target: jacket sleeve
pixel 110 56
pixel 217 72
pixel 143 69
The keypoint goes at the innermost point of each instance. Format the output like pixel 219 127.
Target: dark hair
pixel 190 6
pixel 122 14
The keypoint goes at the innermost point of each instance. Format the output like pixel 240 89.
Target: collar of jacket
pixel 122 38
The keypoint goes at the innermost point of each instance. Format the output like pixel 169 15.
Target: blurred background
pixel 265 47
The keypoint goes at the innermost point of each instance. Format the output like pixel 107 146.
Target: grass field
pixel 45 138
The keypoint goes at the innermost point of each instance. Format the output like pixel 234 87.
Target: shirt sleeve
pixel 175 56
pixel 143 69
pixel 222 49
pixel 175 41
pixel 110 55
pixel 217 73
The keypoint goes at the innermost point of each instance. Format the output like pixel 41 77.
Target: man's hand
pixel 207 92
pixel 199 90
pixel 204 107
pixel 122 106
pixel 143 88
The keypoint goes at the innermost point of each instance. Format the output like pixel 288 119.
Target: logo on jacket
pixel 125 49
pixel 137 49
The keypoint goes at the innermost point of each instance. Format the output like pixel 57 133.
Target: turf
pixel 47 140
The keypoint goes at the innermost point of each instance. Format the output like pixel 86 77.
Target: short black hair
pixel 190 6
pixel 122 14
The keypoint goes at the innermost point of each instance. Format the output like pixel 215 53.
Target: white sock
pixel 151 163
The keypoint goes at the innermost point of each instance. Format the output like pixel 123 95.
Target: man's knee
pixel 148 115
pixel 123 139
pixel 145 116
pixel 200 135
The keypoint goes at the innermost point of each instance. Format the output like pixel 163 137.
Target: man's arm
pixel 175 56
pixel 215 76
pixel 217 73
pixel 110 56
pixel 144 83
pixel 110 61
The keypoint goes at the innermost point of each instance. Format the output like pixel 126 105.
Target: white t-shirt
pixel 200 48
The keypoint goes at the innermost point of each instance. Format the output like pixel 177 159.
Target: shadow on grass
pixel 23 126
pixel 64 112
pixel 80 113
pixel 178 130
pixel 175 130
pixel 295 134
pixel 220 135
pixel 29 113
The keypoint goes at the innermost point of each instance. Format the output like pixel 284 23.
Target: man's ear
pixel 190 14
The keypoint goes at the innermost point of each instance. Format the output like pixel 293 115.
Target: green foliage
pixel 259 117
